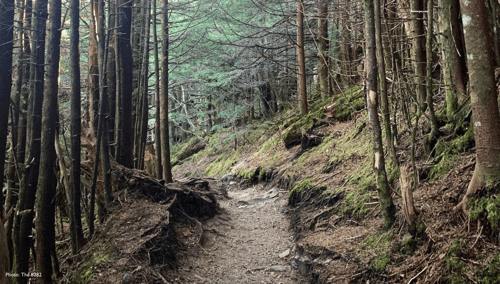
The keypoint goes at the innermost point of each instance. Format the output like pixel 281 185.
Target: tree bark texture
pixel 481 65
pixel 323 48
pixel 418 50
pixel 46 191
pixel 6 40
pixel 125 150
pixel 75 220
pixel 302 91
pixel 453 54
pixel 23 222
pixel 93 75
pixel 165 143
pixel 384 192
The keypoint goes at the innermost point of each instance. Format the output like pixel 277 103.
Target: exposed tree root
pixel 475 185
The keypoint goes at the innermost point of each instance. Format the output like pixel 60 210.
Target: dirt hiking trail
pixel 248 242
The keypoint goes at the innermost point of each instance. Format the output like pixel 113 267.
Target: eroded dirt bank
pixel 249 241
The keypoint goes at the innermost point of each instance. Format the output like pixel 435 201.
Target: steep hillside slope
pixel 324 161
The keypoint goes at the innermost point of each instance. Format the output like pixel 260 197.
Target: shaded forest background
pixel 89 85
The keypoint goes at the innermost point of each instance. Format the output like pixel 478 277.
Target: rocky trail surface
pixel 249 241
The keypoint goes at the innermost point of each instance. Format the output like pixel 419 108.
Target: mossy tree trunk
pixel 481 65
pixel 384 192
pixel 453 57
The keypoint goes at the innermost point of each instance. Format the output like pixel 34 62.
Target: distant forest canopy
pixel 85 81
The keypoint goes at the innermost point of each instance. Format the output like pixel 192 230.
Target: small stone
pixel 284 254
pixel 127 279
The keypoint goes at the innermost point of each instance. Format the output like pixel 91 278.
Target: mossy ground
pixel 377 245
pixel 447 153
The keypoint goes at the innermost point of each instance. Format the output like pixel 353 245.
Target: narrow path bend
pixel 248 242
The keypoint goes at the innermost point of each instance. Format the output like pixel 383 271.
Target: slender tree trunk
pixel 430 100
pixel 323 47
pixel 103 111
pixel 6 39
pixel 93 74
pixel 46 191
pixel 386 116
pixel 481 65
pixel 418 50
pixel 384 192
pixel 302 91
pixel 76 231
pixel 165 145
pixel 125 151
pixel 23 222
pixel 158 151
pixel 453 54
pixel 111 75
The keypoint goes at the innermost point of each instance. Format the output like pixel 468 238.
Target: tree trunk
pixel 104 109
pixel 453 54
pixel 302 92
pixel 158 150
pixel 46 191
pixel 418 50
pixel 93 79
pixel 386 116
pixel 6 39
pixel 323 48
pixel 165 143
pixel 75 220
pixel 125 150
pixel 384 192
pixel 430 100
pixel 481 65
pixel 111 76
pixel 23 222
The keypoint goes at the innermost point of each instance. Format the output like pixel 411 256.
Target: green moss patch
pixel 378 244
pixel 222 164
pixel 294 134
pixel 454 263
pixel 489 207
pixel 349 102
pixel 380 262
pixel 490 274
pixel 447 153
